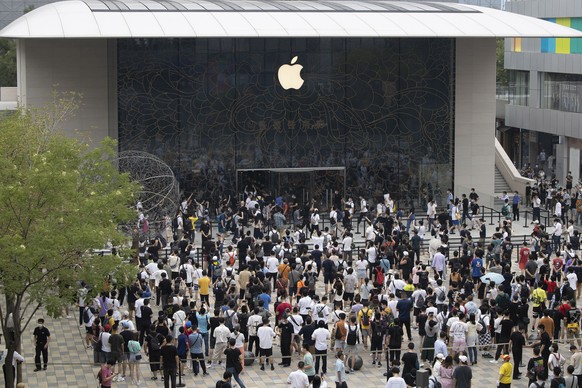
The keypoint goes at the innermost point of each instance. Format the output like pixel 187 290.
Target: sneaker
pixel 374 362
pixel 494 361
pixel 209 366
pixel 379 365
pixel 120 379
pixel 272 367
pixel 205 374
pixel 263 367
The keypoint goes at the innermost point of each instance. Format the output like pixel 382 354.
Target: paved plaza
pixel 71 364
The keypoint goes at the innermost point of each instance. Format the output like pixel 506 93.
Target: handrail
pixel 491 212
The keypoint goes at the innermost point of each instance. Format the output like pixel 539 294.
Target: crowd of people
pixel 275 289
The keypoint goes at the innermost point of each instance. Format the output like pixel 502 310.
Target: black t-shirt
pixel 395 332
pixel 117 343
pixel 127 336
pixel 506 327
pixel 409 360
pixel 306 332
pixel 233 358
pixel 41 334
pixel 169 354
pixel 146 314
pixel 518 341
pixel 166 286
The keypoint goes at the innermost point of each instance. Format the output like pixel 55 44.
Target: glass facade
pixel 518 87
pixel 562 92
pixel 381 109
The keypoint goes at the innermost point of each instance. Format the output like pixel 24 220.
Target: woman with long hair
pixel 446 373
pixel 473 337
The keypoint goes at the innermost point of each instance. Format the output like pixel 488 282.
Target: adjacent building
pixel 543 120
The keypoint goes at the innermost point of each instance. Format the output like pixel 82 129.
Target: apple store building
pixel 362 97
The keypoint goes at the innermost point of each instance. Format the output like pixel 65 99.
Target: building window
pixel 562 92
pixel 518 87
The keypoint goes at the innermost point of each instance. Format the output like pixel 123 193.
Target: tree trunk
pixel 12 335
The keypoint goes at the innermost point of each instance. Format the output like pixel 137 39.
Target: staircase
pixel 500 186
pixel 500 183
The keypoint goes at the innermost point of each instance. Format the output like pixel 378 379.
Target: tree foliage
pixel 7 62
pixel 59 200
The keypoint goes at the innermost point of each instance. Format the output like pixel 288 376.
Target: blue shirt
pixel 476 265
pixel 404 306
pixel 440 347
pixel 202 322
pixel 196 342
pixel 516 199
pixel 266 300
pixel 182 347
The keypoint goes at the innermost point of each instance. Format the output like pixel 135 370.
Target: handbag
pixel 138 357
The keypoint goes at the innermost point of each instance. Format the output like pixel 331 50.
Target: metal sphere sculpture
pixel 160 191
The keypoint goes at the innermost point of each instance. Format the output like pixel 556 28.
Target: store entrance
pixel 321 185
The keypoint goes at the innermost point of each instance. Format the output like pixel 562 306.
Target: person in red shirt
pixel 106 374
pixel 523 256
pixel 557 266
pixel 281 307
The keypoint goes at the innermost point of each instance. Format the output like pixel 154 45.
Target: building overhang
pixel 276 19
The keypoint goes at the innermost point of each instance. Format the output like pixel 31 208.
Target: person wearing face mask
pixel 42 338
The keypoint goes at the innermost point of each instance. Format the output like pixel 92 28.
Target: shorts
pixel 327 278
pixel 265 352
pixel 376 344
pixel 351 349
pixel 365 332
pixel 115 356
pixel 339 344
pixel 538 311
pixel 195 287
pixel 456 223
pixel 131 306
pixel 459 345
pixel 183 357
pixel 348 296
pixel 189 285
pixel 88 329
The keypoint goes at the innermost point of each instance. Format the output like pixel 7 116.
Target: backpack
pixel 420 301
pixel 340 266
pixel 87 315
pixel 230 259
pixel 542 385
pixel 483 327
pixel 228 320
pixel 352 337
pixel 183 273
pixel 287 254
pixel 175 223
pixel 320 312
pixel 365 317
pixel 379 276
pixel 435 382
pixel 505 210
pixel 561 382
pixel 154 343
pixel 442 296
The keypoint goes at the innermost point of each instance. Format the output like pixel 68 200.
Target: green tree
pixel 59 200
pixel 7 62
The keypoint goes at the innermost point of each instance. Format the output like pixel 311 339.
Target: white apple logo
pixel 290 75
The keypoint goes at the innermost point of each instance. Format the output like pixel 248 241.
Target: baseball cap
pixel 506 357
pixel 125 325
pixel 463 358
pixel 188 324
pixel 440 356
pixel 107 327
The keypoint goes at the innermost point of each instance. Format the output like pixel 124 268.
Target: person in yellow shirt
pixel 538 297
pixel 505 372
pixel 365 322
pixel 204 286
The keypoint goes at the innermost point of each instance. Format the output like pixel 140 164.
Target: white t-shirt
pixel 371 254
pixel 347 244
pixel 298 379
pixel 272 264
pixel 106 346
pixel 396 382
pixel 152 268
pixel 320 336
pixel 572 279
pixel 266 335
pixel 304 305
pixel 458 330
pixel 296 321
pixel 196 275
